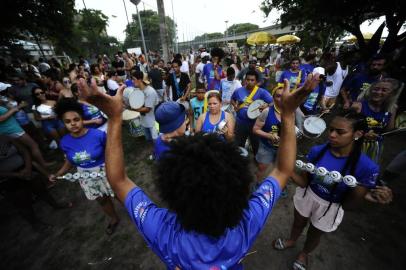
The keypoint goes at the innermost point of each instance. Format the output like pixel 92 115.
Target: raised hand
pixel 111 106
pixel 292 100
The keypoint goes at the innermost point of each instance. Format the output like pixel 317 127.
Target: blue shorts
pixel 266 154
pixel 50 125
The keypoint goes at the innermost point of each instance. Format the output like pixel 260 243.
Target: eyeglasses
pixel 39 93
pixel 66 81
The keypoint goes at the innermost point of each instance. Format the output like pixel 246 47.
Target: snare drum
pixel 253 109
pixel 136 99
pixel 135 128
pixel 314 126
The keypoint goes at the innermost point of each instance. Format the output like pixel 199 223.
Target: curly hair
pixel 217 52
pixel 68 105
pixel 206 182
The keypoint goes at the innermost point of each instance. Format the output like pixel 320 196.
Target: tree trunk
pixel 163 30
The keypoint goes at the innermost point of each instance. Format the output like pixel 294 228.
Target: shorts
pixel 313 207
pixel 50 125
pixel 150 133
pixel 95 187
pixel 266 154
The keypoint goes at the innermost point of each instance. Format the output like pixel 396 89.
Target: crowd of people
pixel 199 109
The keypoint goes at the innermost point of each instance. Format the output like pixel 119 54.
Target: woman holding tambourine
pixel 378 104
pixel 323 191
pixel 84 149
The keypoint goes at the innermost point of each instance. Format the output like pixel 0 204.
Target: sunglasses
pixel 39 93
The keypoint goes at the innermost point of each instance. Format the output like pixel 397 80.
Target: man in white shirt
pixel 141 81
pixel 112 84
pixel 334 80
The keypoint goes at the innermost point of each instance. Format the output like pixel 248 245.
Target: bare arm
pixel 199 122
pixel 112 107
pixel 8 114
pixel 229 134
pixel 286 157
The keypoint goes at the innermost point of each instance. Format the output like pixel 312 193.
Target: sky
pixel 193 17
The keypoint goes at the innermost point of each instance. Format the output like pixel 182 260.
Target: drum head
pixel 136 99
pixel 127 91
pixel 129 115
pixel 253 110
pixel 314 125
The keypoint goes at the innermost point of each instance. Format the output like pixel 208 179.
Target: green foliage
pixel 320 15
pixel 241 28
pixel 150 26
pixel 90 35
pixel 39 19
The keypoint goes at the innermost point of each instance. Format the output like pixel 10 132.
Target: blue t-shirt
pixel 292 78
pixel 208 72
pixel 240 95
pixel 197 109
pixel 359 83
pixel 310 105
pixel 272 124
pixel 191 250
pixel 307 68
pixel 9 126
pixel 86 151
pixel 376 121
pixel 227 89
pixel 91 112
pixel 366 173
pixel 129 83
pixel 160 148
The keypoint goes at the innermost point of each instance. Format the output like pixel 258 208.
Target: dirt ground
pixel 372 238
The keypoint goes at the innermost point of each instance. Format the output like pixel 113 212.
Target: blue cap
pixel 170 116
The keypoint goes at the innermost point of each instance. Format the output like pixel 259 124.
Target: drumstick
pixel 393 131
pixel 331 106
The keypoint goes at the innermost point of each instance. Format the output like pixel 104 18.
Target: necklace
pixel 276 109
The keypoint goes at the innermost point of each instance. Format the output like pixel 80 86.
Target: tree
pixel 90 35
pixel 348 15
pixel 241 28
pixel 150 25
pixel 36 19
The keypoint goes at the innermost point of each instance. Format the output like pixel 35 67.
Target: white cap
pixel 4 86
pixel 319 70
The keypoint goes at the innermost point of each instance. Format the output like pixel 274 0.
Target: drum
pixel 314 126
pixel 126 95
pixel 136 99
pixel 130 115
pixel 135 128
pixel 253 109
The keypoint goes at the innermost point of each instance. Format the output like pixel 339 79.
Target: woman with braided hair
pixel 322 202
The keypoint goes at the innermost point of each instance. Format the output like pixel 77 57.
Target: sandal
pixel 279 244
pixel 111 228
pixel 298 265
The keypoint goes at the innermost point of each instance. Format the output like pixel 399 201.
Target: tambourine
pixel 328 177
pixel 72 177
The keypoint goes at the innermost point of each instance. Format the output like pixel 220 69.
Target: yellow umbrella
pixel 260 38
pixel 288 39
pixel 367 36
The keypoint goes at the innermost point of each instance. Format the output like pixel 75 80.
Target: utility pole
pixel 174 27
pixel 136 2
pixel 163 31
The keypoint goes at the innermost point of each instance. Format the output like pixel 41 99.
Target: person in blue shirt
pixel 209 121
pixel 267 128
pixel 196 108
pixel 212 218
pixel 321 201
pixel 378 105
pixel 240 101
pixel 294 75
pixel 312 104
pixel 84 149
pixel 213 71
pixel 308 64
pixel 360 82
pixel 172 120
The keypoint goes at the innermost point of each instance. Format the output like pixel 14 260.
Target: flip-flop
pixel 279 244
pixel 111 228
pixel 298 265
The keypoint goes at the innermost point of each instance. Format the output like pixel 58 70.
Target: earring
pixel 356 138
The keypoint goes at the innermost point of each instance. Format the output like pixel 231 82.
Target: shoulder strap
pixel 249 100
